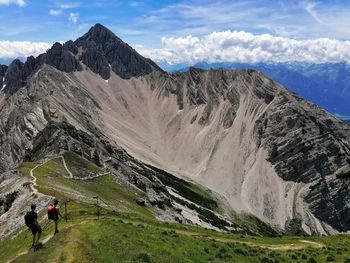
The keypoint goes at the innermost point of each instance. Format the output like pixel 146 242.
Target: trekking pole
pixel 65 210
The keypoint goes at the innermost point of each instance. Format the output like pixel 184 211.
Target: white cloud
pixel 60 7
pixel 73 17
pixel 67 5
pixel 14 49
pixel 310 8
pixel 55 12
pixel 16 2
pixel 241 46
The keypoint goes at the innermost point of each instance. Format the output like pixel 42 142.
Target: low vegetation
pixel 126 232
pixel 184 188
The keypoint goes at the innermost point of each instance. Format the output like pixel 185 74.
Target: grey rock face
pixel 61 58
pixel 70 46
pixel 6 201
pixel 305 144
pixel 3 69
pixel 124 60
pixel 15 76
pixel 95 60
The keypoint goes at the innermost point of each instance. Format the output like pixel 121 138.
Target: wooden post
pixel 97 207
pixel 65 210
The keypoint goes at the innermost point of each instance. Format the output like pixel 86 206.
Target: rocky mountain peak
pixel 98 35
pixel 103 50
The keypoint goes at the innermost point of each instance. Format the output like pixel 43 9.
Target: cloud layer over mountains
pixel 15 49
pixel 225 46
pixel 240 46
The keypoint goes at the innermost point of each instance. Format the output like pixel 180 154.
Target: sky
pixel 187 32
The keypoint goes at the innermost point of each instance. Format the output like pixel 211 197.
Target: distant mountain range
pixel 327 85
pixel 7 61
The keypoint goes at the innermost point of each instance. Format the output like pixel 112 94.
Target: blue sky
pixel 147 25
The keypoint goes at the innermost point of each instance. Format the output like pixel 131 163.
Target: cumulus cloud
pixel 73 17
pixel 241 46
pixel 16 2
pixel 14 49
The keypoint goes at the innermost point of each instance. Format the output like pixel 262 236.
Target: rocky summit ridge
pixel 259 148
pixel 99 49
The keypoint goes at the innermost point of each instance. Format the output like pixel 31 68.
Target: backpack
pixel 51 212
pixel 28 219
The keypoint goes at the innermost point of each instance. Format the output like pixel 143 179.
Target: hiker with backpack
pixel 54 214
pixel 31 221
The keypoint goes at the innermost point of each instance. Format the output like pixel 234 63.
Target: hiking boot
pixel 37 246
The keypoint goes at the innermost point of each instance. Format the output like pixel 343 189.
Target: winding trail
pixel 65 167
pixel 34 183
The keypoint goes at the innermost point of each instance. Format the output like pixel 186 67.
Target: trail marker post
pixel 97 207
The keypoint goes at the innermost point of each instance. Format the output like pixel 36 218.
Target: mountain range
pixel 326 84
pixel 201 146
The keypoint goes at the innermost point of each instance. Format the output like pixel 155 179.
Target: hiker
pixel 54 214
pixel 31 221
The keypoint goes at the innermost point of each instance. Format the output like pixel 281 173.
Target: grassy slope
pixel 132 235
pixel 121 240
pixel 78 165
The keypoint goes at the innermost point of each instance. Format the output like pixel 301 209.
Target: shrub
pixel 223 250
pixel 330 258
pixel 222 254
pixel 240 251
pixel 266 260
pixel 312 260
pixel 143 257
pixel 206 250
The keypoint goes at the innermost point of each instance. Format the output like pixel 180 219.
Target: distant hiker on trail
pixel 54 214
pixel 31 221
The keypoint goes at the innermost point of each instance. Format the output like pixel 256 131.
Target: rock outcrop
pixel 61 58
